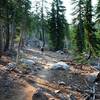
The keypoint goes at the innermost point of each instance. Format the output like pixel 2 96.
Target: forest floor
pixel 76 82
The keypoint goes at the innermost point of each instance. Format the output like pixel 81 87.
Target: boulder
pixel 11 66
pixel 28 62
pixel 60 66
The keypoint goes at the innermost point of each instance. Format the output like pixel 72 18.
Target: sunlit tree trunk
pixel 42 21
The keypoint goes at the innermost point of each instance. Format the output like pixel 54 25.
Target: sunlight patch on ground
pixel 29 91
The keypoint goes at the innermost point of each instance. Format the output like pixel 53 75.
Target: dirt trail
pixel 27 84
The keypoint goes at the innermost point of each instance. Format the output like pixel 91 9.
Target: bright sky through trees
pixel 67 4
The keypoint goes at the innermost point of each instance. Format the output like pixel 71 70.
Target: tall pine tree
pixel 98 12
pixel 92 40
pixel 98 17
pixel 57 25
pixel 79 20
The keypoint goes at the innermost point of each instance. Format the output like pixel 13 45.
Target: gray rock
pixel 91 78
pixel 60 52
pixel 97 66
pixel 28 62
pixel 39 95
pixel 60 66
pixel 95 62
pixel 63 97
pixel 72 97
pixel 61 83
pixel 11 66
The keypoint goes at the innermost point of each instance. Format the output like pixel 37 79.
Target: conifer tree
pixel 79 21
pixel 98 17
pixel 92 40
pixel 98 12
pixel 57 24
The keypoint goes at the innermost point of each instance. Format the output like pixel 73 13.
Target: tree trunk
pixel 0 40
pixel 19 47
pixel 43 38
pixel 13 31
pixel 7 33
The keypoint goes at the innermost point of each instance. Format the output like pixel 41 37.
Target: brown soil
pixel 23 86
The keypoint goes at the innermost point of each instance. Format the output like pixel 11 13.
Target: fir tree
pixel 57 25
pixel 79 20
pixel 98 12
pixel 92 40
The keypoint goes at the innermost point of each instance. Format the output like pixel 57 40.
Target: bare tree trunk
pixel 0 40
pixel 19 47
pixel 42 18
pixel 7 33
pixel 13 31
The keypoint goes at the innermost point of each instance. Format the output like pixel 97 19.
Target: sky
pixel 67 4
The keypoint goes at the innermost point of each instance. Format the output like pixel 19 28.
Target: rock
pixel 34 42
pixel 28 62
pixel 60 52
pixel 63 97
pixel 18 71
pixel 97 66
pixel 95 62
pixel 34 58
pixel 39 95
pixel 27 71
pixel 72 97
pixel 91 78
pixel 11 66
pixel 60 66
pixel 57 91
pixel 97 78
pixel 61 83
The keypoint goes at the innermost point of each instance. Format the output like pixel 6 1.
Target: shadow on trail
pixel 9 87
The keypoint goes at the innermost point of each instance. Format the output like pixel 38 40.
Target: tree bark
pixel 0 40
pixel 7 33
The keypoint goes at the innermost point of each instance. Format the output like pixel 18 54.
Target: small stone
pixel 60 52
pixel 57 91
pixel 72 97
pixel 61 83
pixel 62 97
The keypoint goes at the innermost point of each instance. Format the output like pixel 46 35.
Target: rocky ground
pixel 37 78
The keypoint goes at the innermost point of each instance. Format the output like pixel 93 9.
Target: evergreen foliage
pixel 93 42
pixel 98 12
pixel 14 15
pixel 79 21
pixel 57 24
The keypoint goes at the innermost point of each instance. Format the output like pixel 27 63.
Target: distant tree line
pixel 50 25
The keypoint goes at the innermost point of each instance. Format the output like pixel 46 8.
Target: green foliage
pixel 79 11
pixel 98 12
pixel 57 24
pixel 80 58
pixel 93 42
